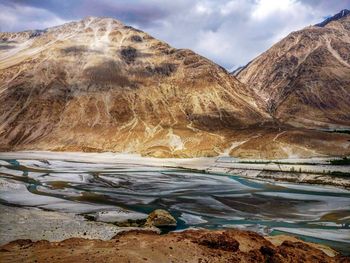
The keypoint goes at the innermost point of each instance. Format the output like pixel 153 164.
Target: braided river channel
pixel 196 199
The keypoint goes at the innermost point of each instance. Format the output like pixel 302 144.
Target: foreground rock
pixel 188 246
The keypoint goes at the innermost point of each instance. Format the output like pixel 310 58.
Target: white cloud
pixel 266 8
pixel 232 32
pixel 213 43
pixel 234 6
pixel 229 32
pixel 203 8
pixel 18 17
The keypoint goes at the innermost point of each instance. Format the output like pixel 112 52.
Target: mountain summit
pixel 341 14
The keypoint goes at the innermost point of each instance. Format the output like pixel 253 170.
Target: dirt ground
pixel 189 246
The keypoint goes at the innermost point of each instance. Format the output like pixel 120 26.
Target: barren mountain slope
pixel 305 78
pixel 98 85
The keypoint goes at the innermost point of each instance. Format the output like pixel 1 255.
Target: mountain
pixel 237 70
pixel 99 85
pixel 305 78
pixel 341 14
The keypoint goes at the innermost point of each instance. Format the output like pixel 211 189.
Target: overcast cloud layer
pixel 230 32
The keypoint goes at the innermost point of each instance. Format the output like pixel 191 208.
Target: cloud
pixel 17 17
pixel 230 32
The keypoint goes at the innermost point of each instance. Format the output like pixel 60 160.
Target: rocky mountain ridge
pixel 341 14
pixel 305 78
pixel 185 246
pixel 99 85
pixel 99 80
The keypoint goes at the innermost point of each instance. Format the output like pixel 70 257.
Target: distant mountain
pixel 305 78
pixel 237 70
pixel 338 16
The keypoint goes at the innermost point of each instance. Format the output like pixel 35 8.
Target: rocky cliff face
pixel 305 78
pixel 99 85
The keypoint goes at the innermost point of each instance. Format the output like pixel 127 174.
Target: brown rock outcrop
pixel 161 218
pixel 189 246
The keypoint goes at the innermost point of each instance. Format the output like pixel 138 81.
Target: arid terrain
pixel 189 246
pixel 304 80
pixel 251 166
pixel 98 85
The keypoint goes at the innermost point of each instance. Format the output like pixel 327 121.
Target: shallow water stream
pixel 315 213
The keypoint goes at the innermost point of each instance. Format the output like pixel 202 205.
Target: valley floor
pixel 71 237
pixel 296 170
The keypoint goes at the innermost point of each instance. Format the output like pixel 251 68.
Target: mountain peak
pixel 337 16
pixel 97 73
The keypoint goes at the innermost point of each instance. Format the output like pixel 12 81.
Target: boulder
pixel 160 218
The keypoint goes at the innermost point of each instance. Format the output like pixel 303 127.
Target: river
pixel 314 213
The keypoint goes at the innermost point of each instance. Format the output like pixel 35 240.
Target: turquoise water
pixel 314 213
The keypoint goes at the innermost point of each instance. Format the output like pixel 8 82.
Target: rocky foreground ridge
pixel 34 235
pixel 188 246
pixel 99 85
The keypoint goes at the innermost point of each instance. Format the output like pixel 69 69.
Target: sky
pixel 229 32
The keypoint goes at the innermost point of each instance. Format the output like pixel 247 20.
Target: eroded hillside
pixel 99 85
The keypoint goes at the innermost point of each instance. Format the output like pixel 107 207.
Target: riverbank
pixel 37 224
pixel 317 171
pixel 35 235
